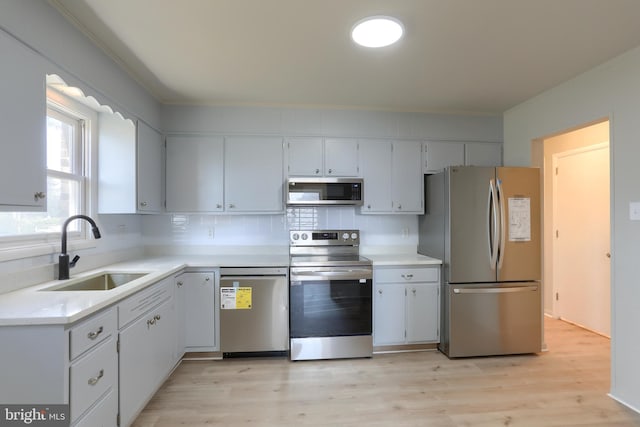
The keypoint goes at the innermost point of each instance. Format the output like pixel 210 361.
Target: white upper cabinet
pixel 375 158
pixel 150 162
pixel 341 157
pixel 130 166
pixel 439 155
pixel 23 182
pixel 195 174
pixel 253 174
pixel 483 154
pixel 305 156
pixel 407 178
pixel 392 175
pixel 315 156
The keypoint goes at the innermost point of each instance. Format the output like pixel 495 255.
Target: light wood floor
pixel 566 386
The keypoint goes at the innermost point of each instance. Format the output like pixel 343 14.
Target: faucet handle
pixel 74 261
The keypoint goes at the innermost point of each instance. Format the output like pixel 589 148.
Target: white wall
pixel 609 90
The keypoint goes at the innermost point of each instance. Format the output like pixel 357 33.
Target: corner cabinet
pixel 130 166
pixel 406 305
pixel 315 156
pixel 23 181
pixel 392 174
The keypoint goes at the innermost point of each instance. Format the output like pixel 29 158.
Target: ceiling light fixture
pixel 377 31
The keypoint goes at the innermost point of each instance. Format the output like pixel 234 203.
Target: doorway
pixel 577 226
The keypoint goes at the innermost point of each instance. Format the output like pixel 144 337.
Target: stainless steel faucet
pixel 63 260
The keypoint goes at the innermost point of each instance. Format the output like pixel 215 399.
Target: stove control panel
pixel 324 237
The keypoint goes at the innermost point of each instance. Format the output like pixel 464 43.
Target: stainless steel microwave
pixel 324 191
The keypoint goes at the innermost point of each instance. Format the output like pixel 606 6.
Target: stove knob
pixel 345 236
pixel 354 236
pixel 304 236
pixel 295 236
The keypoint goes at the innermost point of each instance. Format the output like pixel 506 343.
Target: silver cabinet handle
pixel 218 206
pixel 207 279
pixel 231 205
pixel 414 291
pixel 380 291
pixel 330 170
pixel 179 284
pixel 151 322
pixel 156 317
pixel 399 207
pixel 94 334
pixel 94 380
pixel 143 204
pixel 317 171
pixel 407 276
pixel 39 195
pixel 608 254
pixel 498 290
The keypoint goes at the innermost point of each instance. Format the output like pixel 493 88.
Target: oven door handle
pixel 356 274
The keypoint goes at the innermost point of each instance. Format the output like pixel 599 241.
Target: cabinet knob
pixel 368 206
pixel 317 171
pixel 179 284
pixel 218 206
pixel 608 254
pixel 143 204
pixel 407 276
pixel 380 291
pixel 207 278
pixel 330 170
pixel 39 195
pixel 231 206
pixel 414 291
pixel 94 380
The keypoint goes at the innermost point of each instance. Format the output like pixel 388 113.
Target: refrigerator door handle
pixel 494 290
pixel 492 229
pixel 502 223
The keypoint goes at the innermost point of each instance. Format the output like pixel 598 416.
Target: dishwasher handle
pixel 495 290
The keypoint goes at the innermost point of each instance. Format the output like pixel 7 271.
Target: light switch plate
pixel 634 211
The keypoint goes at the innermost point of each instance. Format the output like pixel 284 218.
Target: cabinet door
pixel 254 174
pixel 150 167
pixel 23 181
pixel 483 154
pixel 439 155
pixel 407 179
pixel 200 320
pixel 194 174
pixel 146 358
pixel 341 157
pixel 180 309
pixel 305 156
pixel 389 314
pixel 375 161
pixel 422 312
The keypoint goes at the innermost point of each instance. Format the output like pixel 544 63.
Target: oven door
pixel 330 301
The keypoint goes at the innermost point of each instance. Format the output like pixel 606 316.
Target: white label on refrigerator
pixel 519 219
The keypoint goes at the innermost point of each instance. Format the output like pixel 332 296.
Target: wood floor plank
pixel 565 386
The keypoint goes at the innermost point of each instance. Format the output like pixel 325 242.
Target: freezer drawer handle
pixel 494 290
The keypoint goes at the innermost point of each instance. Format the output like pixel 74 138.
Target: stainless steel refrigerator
pixel 484 223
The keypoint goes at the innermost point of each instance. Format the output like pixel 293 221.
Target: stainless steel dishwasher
pixel 254 311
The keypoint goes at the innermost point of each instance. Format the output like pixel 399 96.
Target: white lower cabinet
pixel 93 370
pixel 406 305
pixel 147 349
pixel 199 323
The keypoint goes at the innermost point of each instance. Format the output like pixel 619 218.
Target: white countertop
pixel 35 306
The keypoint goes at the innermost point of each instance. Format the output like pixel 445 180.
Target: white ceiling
pixel 480 56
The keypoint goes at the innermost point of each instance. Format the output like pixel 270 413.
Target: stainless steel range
pixel 329 295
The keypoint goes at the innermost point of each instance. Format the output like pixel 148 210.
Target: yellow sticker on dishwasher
pixel 235 298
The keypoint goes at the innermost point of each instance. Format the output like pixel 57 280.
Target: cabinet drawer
pixel 104 414
pixel 91 332
pixel 407 275
pixel 139 303
pixel 92 376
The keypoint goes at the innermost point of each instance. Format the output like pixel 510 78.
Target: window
pixel 67 182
